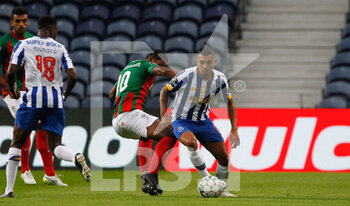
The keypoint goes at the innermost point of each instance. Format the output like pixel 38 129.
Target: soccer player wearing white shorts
pixel 194 89
pixel 44 98
pixel 130 121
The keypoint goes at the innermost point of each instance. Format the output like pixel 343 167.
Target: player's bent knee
pixel 193 144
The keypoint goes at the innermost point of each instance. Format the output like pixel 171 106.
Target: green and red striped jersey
pixel 7 43
pixel 133 86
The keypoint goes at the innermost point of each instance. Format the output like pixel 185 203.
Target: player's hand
pixel 234 138
pixel 15 95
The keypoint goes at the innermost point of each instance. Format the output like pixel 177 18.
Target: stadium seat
pixel 4 27
pixel 114 59
pixel 157 86
pixel 92 26
pixel 97 102
pixel 191 12
pixel 99 88
pixel 160 11
pixel 152 102
pixel 208 28
pixel 179 43
pixel 14 3
pixel 72 102
pixel 66 10
pixel 187 28
pixel 78 3
pixel 341 59
pixel 125 46
pixel 95 11
pixel 218 10
pixel 33 26
pixel 178 60
pixel 81 57
pixel 333 102
pixel 339 74
pixel 109 73
pixel 137 56
pixel 172 3
pixel 82 42
pixel 346 31
pixel 129 10
pixel 5 11
pixel 162 78
pixel 156 27
pixel 344 45
pixel 338 88
pixel 122 26
pixel 83 74
pixel 348 17
pixel 63 40
pixel 78 90
pixel 152 41
pixel 37 9
pixel 140 3
pixel 48 3
pixel 202 3
pixel 108 3
pixel 233 3
pixel 65 27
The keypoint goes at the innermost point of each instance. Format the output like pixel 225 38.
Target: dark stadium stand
pixel 171 25
pixel 336 94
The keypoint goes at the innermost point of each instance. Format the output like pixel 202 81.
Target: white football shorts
pixel 133 124
pixel 13 104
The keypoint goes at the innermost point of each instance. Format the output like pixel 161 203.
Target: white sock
pixel 198 162
pixel 63 153
pixel 222 172
pixel 14 156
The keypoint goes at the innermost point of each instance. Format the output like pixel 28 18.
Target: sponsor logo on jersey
pixel 133 65
pixel 180 129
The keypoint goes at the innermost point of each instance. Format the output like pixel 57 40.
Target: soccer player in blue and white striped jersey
pixel 194 89
pixel 44 98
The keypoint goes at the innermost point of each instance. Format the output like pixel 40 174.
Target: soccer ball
pixel 210 186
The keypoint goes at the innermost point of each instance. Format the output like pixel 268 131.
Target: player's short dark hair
pixel 207 49
pixel 156 57
pixel 18 11
pixel 46 22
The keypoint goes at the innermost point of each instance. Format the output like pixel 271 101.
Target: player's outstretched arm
pixel 163 100
pixel 231 109
pixel 11 79
pixel 71 80
pixel 164 71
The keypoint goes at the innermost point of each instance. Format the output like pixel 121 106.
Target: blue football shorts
pixel 205 131
pixel 52 119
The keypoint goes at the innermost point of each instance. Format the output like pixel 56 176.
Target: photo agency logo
pixel 106 53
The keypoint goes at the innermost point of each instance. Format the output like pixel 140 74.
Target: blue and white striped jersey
pixel 193 94
pixel 43 60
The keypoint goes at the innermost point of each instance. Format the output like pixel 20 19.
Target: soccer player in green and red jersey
pixel 19 22
pixel 130 121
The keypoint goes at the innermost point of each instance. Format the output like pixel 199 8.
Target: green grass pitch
pixel 256 189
